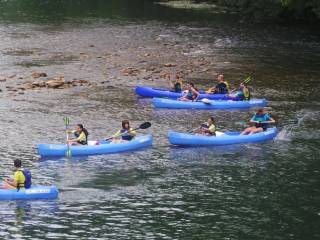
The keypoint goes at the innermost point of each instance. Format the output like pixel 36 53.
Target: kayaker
pixel 221 88
pixel 126 132
pixel 261 122
pixel 208 128
pixel 81 135
pixel 177 84
pixel 242 94
pixel 21 177
pixel 191 94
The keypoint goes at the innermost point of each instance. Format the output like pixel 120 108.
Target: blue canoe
pixel 58 150
pixel 185 139
pixel 210 104
pixel 165 93
pixel 35 192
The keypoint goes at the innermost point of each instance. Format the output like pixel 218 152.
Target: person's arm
pixel 185 93
pixel 196 93
pixel 253 119
pixel 132 132
pixel 78 139
pixel 270 119
pixel 117 134
pixel 210 90
pixel 10 182
pixel 73 140
pixel 14 181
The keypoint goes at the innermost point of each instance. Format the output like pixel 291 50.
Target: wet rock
pixel 150 68
pixel 12 90
pixel 21 93
pixel 81 81
pixel 91 45
pixel 130 71
pixel 39 84
pixel 55 83
pixel 38 74
pixel 170 65
pixel 156 71
pixel 164 75
pixel 21 88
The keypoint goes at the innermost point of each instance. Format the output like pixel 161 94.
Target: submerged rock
pixel 170 65
pixel 130 71
pixel 38 84
pixel 38 74
pixel 55 83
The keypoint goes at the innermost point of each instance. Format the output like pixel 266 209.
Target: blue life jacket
pixel 126 136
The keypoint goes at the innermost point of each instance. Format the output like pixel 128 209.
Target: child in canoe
pixel 21 178
pixel 126 133
pixel 81 135
pixel 261 122
pixel 242 94
pixel 191 94
pixel 208 128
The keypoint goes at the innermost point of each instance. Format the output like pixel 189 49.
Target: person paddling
pixel 221 88
pixel 191 94
pixel 126 132
pixel 81 135
pixel 261 122
pixel 242 94
pixel 21 178
pixel 208 128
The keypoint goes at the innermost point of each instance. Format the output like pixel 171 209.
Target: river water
pixel 256 191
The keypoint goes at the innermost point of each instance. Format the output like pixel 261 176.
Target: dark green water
pixel 259 191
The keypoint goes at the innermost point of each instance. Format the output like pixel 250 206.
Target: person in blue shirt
pixel 261 122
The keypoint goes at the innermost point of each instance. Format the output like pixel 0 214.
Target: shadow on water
pixel 60 11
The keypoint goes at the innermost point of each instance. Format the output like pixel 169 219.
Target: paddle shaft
pixel 144 125
pixel 66 122
pixel 121 134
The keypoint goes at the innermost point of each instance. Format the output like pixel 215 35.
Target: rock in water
pixel 38 74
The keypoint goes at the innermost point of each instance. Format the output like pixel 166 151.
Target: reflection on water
pixel 250 191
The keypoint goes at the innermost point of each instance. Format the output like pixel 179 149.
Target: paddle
pixel 66 123
pixel 205 101
pixel 144 125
